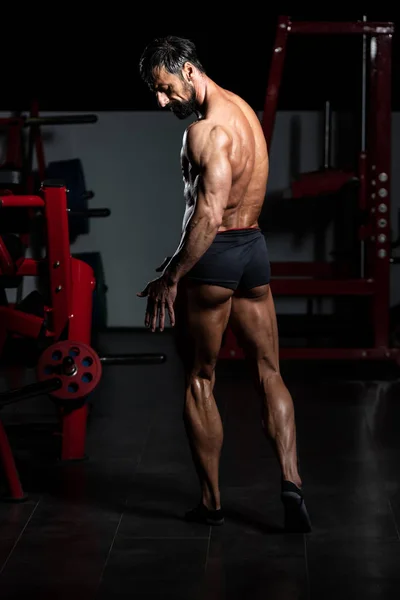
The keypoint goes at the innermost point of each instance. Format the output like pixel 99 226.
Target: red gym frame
pixel 373 175
pixel 71 284
pixel 71 281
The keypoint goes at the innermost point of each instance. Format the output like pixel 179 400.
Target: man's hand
pixel 161 293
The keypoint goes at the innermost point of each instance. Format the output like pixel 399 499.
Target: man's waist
pixel 239 229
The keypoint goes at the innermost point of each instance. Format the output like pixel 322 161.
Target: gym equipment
pixel 74 365
pixel 368 275
pixel 59 324
pixel 100 313
pixel 17 173
pixel 71 172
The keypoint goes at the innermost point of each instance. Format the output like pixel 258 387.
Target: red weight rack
pixel 67 319
pixel 318 279
pixel 71 285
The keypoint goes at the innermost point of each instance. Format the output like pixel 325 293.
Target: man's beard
pixel 184 108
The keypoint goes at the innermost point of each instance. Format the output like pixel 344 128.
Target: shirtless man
pixel 220 271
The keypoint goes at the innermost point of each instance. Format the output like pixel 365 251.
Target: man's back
pixel 248 156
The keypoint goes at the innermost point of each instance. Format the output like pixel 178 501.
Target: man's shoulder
pixel 206 126
pixel 206 131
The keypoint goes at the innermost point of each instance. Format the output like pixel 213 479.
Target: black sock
pixel 289 486
pixel 203 514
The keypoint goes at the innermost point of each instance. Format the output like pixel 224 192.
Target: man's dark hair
pixel 170 52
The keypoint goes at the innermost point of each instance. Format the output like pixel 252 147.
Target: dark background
pixel 99 71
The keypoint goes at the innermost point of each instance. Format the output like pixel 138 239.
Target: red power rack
pixel 59 322
pixel 327 279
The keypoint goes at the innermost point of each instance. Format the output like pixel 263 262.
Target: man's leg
pixel 201 318
pixel 253 320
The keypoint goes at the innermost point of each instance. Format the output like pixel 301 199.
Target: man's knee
pixel 201 380
pixel 269 382
pixel 267 367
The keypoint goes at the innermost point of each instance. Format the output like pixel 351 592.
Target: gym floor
pixel 111 526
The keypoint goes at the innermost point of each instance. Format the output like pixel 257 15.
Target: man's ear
pixel 188 71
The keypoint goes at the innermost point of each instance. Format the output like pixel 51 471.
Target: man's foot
pixel 201 514
pixel 296 515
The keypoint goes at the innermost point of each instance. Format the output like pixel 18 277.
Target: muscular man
pixel 220 271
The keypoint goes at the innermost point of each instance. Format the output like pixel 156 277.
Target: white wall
pixel 131 162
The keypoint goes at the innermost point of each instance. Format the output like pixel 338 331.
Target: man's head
pixel 170 68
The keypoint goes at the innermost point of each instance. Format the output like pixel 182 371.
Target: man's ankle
pixel 210 504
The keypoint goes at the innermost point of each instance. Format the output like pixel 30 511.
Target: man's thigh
pixel 201 315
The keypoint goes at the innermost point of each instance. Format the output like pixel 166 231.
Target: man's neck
pixel 203 92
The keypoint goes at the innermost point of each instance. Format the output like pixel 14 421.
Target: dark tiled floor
pixel 111 526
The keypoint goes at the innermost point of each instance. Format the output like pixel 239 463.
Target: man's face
pixel 175 93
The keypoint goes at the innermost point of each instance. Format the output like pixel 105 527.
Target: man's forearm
pixel 197 238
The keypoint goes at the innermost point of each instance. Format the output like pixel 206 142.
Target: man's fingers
pixel 154 316
pixel 149 311
pixel 157 304
pixel 161 322
pixel 171 313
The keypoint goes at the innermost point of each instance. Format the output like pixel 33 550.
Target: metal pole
pixel 363 126
pixel 327 137
pixel 133 359
pixel 364 91
pixel 30 391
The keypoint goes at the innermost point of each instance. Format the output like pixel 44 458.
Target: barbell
pixel 70 370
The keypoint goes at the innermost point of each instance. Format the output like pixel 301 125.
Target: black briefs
pixel 237 258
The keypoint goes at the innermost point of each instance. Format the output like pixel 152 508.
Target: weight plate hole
pixel 48 370
pixel 87 361
pixel 57 355
pixel 74 352
pixel 87 377
pixel 73 388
